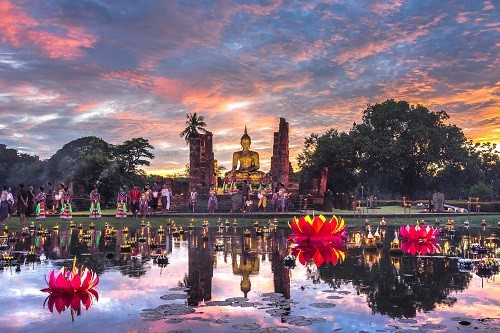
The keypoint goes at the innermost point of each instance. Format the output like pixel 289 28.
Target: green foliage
pixel 8 157
pixel 132 154
pixel 481 191
pixel 334 151
pixel 399 150
pixel 82 163
pixel 194 125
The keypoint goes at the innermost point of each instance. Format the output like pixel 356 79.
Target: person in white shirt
pixel 165 198
pixel 193 197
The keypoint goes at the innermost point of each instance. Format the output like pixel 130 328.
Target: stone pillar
pixel 280 162
pixel 201 162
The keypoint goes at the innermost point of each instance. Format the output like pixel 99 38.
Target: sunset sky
pixel 124 69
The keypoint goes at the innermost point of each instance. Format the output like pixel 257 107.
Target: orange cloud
pixel 86 106
pixel 18 28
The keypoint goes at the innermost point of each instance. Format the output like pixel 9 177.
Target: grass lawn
pixel 395 216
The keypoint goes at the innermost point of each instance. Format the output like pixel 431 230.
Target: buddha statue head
pixel 245 141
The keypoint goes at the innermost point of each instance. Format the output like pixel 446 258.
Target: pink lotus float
pixel 71 281
pixel 419 240
pixel 317 230
pixel 419 234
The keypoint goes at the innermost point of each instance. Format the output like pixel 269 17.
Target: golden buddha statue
pixel 246 162
pixel 248 159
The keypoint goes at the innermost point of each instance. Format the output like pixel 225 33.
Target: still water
pixel 221 280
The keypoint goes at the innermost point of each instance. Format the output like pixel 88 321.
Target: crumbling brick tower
pixel 201 162
pixel 280 161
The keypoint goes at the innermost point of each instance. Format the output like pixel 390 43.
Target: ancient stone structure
pixel 318 186
pixel 201 162
pixel 438 201
pixel 280 161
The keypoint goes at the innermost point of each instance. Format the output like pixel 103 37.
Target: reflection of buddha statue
pixel 248 159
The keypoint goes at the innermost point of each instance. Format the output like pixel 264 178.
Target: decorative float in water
pixel 77 279
pixel 317 229
pixel 71 289
pixel 318 239
pixel 419 240
pixel 395 249
pixel 417 233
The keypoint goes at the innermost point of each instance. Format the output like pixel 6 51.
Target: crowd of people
pixel 140 202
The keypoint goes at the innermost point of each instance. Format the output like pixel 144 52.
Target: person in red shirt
pixel 134 196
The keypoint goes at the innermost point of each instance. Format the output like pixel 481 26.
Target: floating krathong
pixel 320 253
pixel 77 279
pixel 317 229
pixel 419 234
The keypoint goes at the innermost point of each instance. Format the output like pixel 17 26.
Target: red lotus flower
pixel 320 253
pixel 71 281
pixel 420 234
pixel 418 247
pixel 62 301
pixel 317 229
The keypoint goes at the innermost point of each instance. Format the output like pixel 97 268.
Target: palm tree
pixel 194 125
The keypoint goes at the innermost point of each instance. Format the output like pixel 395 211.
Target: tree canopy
pixel 194 125
pixel 398 150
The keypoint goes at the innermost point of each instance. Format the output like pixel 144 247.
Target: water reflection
pixel 62 301
pixel 247 270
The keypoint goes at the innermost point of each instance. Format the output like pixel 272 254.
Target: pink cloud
pixel 18 28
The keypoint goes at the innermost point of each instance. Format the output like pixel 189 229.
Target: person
pixel 31 201
pixel 165 198
pixel 59 198
pixel 193 197
pixel 261 205
pixel 40 204
pixel 66 209
pixel 144 203
pixel 149 197
pixel 95 204
pixel 274 201
pixel 245 192
pixel 22 203
pixel 225 184
pixel 49 199
pixel 121 203
pixel 248 160
pixel 134 196
pixel 155 195
pixel 282 199
pixel 4 205
pixel 248 205
pixel 212 200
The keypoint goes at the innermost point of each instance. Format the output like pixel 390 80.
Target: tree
pixel 480 190
pixel 8 157
pixel 194 125
pixel 334 151
pixel 132 153
pixel 401 148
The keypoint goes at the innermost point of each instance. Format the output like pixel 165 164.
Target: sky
pixel 125 69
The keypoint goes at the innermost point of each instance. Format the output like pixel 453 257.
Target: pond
pixel 224 280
